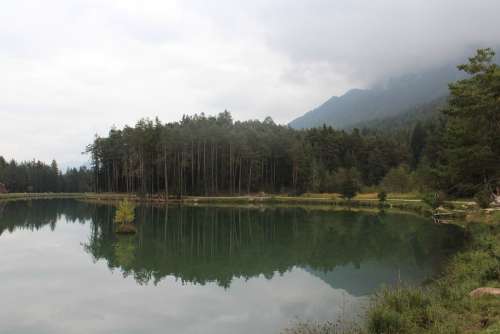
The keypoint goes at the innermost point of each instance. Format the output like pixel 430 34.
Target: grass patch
pixel 310 327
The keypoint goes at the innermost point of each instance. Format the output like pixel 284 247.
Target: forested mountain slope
pixel 395 97
pixel 406 120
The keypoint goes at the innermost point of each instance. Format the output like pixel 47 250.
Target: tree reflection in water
pixel 350 250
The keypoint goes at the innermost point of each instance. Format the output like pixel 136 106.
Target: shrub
pixel 483 198
pixel 125 212
pixel 384 320
pixel 348 182
pixel 403 310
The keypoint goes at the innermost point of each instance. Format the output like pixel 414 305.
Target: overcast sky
pixel 72 68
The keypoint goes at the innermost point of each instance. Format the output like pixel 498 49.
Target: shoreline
pixel 458 210
pixel 404 204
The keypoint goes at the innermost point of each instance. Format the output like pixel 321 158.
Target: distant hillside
pixel 406 119
pixel 396 97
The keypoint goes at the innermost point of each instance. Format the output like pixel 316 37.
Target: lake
pixel 203 269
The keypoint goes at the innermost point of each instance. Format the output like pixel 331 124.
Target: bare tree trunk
pixel 249 178
pixel 239 179
pixel 216 172
pixel 192 167
pixel 165 171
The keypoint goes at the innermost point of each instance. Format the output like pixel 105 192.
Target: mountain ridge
pixel 387 99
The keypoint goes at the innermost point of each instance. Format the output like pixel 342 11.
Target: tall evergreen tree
pixel 473 128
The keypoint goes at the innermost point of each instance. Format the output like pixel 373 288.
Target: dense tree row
pixel 36 176
pixel 199 155
pixel 214 155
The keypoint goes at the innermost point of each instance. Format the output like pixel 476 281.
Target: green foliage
pixel 402 310
pixel 472 133
pixel 384 320
pixel 125 212
pixel 398 180
pixel 426 178
pixel 38 177
pixel 347 180
pixel 483 198
pixel 494 329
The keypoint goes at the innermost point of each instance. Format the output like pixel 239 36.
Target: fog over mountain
pixel 394 97
pixel 73 68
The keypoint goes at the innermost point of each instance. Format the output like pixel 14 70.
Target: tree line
pixel 208 155
pixel 39 177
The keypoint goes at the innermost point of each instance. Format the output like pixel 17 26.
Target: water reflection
pixel 356 252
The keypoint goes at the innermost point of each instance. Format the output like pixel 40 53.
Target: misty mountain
pixel 407 119
pixel 395 97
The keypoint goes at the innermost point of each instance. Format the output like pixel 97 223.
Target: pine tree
pixel 473 128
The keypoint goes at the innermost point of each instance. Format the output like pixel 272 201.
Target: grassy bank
pixel 34 196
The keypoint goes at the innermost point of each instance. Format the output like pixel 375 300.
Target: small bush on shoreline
pixel 483 198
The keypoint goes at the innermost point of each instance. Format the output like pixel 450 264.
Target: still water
pixel 202 269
